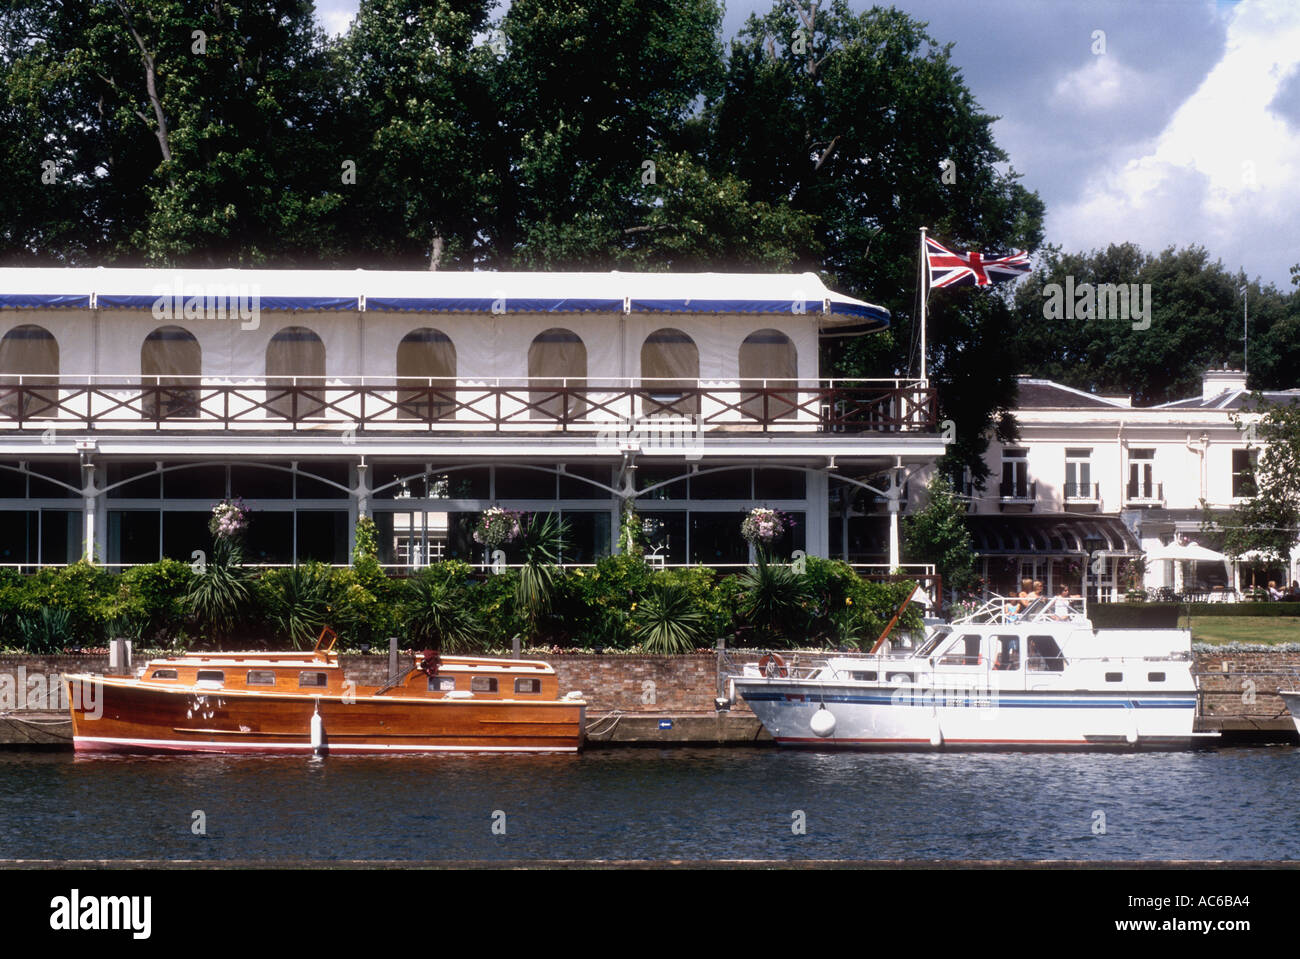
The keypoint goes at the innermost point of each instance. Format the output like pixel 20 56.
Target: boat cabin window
pixel 441 683
pixel 210 676
pixel 313 680
pixel 1155 677
pixel 1114 677
pixel 1006 652
pixel 1045 654
pixel 865 676
pixel 964 652
pixel 528 685
pixel 261 677
pixel 163 674
pixel 483 684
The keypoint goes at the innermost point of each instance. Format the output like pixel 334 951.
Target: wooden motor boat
pixel 301 702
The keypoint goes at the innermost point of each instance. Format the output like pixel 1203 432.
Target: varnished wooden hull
pixel 137 717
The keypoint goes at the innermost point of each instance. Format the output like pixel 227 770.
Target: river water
pixel 696 804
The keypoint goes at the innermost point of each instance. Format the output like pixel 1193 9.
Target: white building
pixel 133 400
pixel 1094 476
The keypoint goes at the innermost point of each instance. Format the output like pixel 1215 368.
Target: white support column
pixel 894 504
pixel 90 498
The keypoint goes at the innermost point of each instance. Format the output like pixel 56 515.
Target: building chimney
pixel 1217 382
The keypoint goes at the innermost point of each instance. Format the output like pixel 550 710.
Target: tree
pixel 937 534
pixel 1270 520
pixel 1195 322
pixel 864 122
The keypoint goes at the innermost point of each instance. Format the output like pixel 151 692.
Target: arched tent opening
pixel 29 361
pixel 295 362
pixel 557 375
pixel 670 373
pixel 768 355
pixel 171 362
pixel 426 372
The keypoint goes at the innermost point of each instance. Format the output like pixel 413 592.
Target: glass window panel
pixel 184 532
pixel 780 484
pixel 673 478
pixel 133 536
pixel 571 487
pixel 269 538
pixel 521 483
pixel 307 486
pixel 253 482
pixel 18 536
pixel 665 535
pixel 727 484
pixel 13 484
pixel 207 481
pixel 323 536
pixel 716 539
pixel 65 472
pixel 150 487
pixel 61 536
pixel 589 536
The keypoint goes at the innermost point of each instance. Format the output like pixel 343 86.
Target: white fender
pixel 317 731
pixel 1132 735
pixel 936 737
pixel 823 722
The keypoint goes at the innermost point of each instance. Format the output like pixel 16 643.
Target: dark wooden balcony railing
pixel 408 404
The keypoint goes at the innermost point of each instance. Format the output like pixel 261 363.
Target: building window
pixel 557 371
pixel 1078 474
pixel 1015 474
pixel 171 363
pixel 1141 472
pixel 426 363
pixel 768 355
pixel 295 361
pixel 1243 472
pixel 32 353
pixel 670 373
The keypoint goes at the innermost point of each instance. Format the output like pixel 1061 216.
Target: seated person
pixel 1061 605
pixel 1292 595
pixel 1273 592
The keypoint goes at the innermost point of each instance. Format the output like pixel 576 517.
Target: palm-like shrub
pixel 298 602
pixel 439 610
pixel 219 594
pixel 541 545
pixel 774 601
pixel 666 620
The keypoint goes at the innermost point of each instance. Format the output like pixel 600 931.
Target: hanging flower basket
pixel 763 526
pixel 229 520
pixel 497 526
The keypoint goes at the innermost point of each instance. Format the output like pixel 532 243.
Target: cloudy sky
pixel 1178 124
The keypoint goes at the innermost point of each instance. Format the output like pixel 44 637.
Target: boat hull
pixel 126 716
pixel 916 718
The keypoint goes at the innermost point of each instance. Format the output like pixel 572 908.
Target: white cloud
pixel 1103 84
pixel 1225 170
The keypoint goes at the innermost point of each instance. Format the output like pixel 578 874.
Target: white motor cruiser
pixel 1010 675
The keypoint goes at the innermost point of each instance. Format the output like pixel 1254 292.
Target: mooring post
pixel 392 658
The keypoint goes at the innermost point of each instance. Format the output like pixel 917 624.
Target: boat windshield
pixel 938 636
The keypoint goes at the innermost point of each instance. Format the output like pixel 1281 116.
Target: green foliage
pixel 49 630
pixel 541 545
pixel 439 610
pixel 775 603
pixel 297 602
pixel 86 592
pixel 220 594
pixel 667 621
pixel 938 534
pixel 493 602
pixel 151 602
pixel 1269 521
pixel 597 603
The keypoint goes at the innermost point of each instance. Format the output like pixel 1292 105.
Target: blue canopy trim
pixel 507 304
pixel 809 306
pixel 231 297
pixel 37 301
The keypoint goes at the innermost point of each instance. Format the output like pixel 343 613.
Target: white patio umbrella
pixel 1180 553
pixel 1250 556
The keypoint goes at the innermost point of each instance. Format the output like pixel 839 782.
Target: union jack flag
pixel 971 269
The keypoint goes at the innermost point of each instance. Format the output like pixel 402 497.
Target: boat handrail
pixel 1009 610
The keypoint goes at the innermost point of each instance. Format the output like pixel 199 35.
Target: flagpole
pixel 925 295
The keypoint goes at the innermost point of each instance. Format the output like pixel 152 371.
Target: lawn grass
pixel 1244 629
